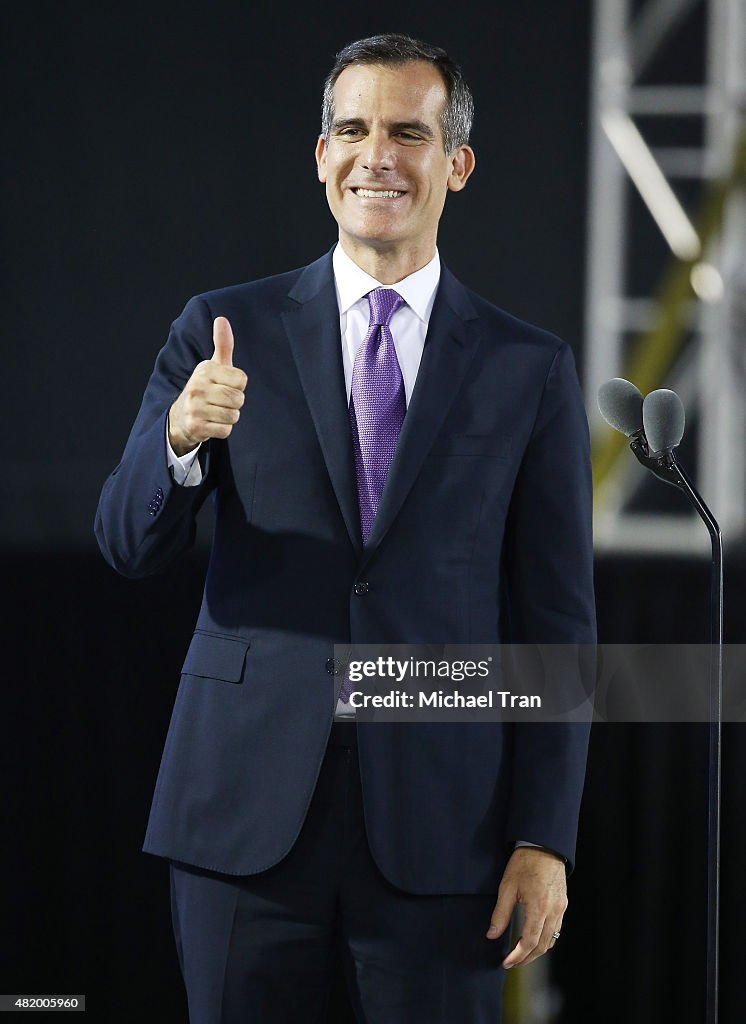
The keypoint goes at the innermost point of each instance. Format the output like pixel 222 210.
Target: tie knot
pixel 383 303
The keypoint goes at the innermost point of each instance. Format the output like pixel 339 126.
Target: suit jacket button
pixel 362 587
pixel 330 666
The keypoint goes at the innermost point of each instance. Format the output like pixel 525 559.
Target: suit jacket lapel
pixel 312 326
pixel 450 344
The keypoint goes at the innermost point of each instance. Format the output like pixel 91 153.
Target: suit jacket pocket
pixel 216 657
pixel 496 446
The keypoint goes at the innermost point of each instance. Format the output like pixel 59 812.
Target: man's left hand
pixel 536 878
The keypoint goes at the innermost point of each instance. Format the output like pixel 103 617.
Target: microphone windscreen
pixel 663 416
pixel 620 404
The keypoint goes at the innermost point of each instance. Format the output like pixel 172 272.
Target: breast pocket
pixel 212 656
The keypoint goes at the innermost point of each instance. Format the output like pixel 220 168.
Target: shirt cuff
pixel 185 469
pixel 538 846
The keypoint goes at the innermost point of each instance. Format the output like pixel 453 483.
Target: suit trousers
pixel 263 949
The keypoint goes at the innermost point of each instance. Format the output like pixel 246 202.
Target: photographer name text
pixel 444 699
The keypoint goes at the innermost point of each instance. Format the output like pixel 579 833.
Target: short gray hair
pixel 393 48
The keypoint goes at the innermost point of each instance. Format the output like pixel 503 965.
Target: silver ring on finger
pixel 555 935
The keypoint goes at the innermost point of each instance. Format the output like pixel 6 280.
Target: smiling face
pixel 385 168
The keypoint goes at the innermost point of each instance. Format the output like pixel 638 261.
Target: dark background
pixel 158 151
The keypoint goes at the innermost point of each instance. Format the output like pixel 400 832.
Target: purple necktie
pixel 377 407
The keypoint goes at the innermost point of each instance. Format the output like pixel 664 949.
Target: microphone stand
pixel 666 468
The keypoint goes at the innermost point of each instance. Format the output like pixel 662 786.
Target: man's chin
pixel 381 241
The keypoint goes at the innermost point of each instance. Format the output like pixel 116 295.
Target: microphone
pixel 620 403
pixel 663 419
pixel 655 426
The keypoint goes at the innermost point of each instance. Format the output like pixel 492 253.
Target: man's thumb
pixel 502 913
pixel 222 336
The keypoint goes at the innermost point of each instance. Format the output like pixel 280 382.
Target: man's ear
pixel 321 158
pixel 462 165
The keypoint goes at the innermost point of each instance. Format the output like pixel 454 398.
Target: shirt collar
pixel 418 290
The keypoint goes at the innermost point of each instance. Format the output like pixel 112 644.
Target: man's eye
pixel 349 131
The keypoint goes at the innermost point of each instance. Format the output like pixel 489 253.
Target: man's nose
pixel 378 153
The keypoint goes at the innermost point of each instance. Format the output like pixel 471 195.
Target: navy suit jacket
pixel 483 534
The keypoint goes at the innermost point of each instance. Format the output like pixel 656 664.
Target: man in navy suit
pixel 391 460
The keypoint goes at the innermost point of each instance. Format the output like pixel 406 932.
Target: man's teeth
pixel 368 193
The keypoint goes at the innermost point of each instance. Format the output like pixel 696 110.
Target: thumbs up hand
pixel 209 406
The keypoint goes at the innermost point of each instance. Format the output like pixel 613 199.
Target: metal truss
pixel 688 332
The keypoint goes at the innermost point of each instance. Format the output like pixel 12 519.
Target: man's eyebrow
pixel 339 124
pixel 347 122
pixel 414 126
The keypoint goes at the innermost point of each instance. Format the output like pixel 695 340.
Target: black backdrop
pixel 160 150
